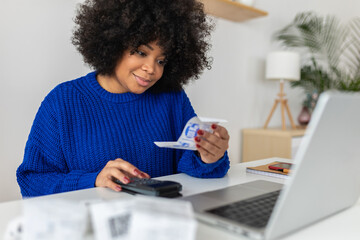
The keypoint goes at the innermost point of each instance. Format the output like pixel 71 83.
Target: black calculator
pixel 152 187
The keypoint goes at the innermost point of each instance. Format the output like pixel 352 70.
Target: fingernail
pixel 198 146
pixel 118 188
pixel 126 180
pixel 200 132
pixel 197 139
pixel 137 172
pixel 213 126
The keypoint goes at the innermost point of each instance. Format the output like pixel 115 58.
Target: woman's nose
pixel 148 67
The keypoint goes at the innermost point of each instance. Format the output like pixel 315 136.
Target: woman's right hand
pixel 118 169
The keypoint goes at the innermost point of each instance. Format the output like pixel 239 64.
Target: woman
pixel 101 127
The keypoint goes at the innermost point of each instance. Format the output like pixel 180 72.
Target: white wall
pixel 345 10
pixel 36 54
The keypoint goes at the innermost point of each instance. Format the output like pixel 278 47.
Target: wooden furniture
pixel 231 10
pixel 266 143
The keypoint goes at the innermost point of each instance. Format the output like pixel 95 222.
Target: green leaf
pixel 331 52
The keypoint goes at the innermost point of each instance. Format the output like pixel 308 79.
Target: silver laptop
pixel 325 179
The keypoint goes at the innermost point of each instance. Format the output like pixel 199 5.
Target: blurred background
pixel 36 54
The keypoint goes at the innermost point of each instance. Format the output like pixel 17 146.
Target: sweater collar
pixel 113 97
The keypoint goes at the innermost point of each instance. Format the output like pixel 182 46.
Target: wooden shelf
pixel 233 11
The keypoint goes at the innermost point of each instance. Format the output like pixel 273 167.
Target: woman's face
pixel 136 71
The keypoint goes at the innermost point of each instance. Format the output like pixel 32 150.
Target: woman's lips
pixel 142 81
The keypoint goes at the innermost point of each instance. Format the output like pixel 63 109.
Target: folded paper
pixel 186 140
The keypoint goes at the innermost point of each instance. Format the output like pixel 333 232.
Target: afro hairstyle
pixel 105 29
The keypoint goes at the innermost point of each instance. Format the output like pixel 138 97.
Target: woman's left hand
pixel 212 146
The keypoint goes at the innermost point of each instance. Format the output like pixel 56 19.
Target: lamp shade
pixel 283 65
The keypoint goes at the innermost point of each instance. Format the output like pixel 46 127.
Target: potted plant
pixel 330 52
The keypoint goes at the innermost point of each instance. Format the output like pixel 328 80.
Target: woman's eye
pixel 162 62
pixel 140 53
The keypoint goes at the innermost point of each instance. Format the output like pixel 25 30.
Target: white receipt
pixel 186 140
pixel 111 220
pixel 144 218
pixel 55 220
pixel 162 219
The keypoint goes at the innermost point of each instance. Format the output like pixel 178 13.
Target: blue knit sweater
pixel 80 126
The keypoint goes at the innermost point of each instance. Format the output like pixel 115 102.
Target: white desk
pixel 345 225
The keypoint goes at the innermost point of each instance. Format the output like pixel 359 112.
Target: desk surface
pixel 344 224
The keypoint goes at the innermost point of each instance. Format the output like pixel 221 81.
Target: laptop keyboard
pixel 254 212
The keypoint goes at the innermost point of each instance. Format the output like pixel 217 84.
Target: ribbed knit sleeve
pixel 190 163
pixel 44 169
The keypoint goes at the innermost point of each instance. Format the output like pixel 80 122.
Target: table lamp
pixel 282 66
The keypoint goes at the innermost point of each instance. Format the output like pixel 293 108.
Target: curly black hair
pixel 106 28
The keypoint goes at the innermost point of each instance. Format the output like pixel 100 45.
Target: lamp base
pixel 284 107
